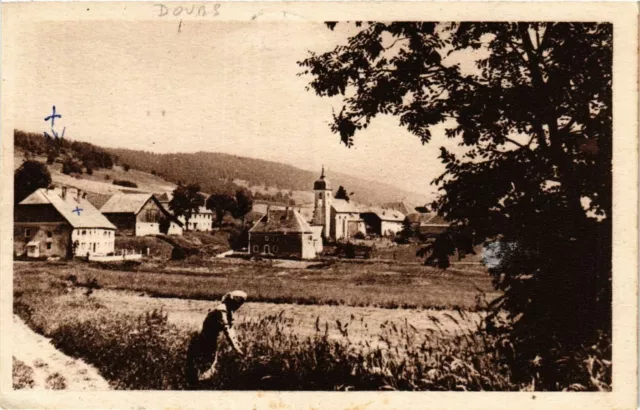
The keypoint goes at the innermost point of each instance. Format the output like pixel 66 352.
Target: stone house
pixel 284 233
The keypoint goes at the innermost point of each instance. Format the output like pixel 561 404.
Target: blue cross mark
pixel 78 210
pixel 55 134
pixel 53 116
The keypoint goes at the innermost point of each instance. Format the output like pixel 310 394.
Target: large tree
pixel 30 176
pixel 221 203
pixel 243 204
pixel 533 117
pixel 185 201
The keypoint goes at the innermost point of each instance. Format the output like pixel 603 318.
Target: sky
pixel 227 87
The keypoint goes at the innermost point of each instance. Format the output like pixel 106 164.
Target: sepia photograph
pixel 216 197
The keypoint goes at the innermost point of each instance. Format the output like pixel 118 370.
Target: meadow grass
pixel 146 351
pixel 351 284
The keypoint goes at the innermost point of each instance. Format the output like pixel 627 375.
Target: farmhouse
pixel 201 219
pixel 383 222
pixel 284 233
pixel 60 223
pixel 140 215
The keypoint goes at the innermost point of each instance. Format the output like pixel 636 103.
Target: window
pixel 84 232
pixel 275 248
pixel 256 248
pixel 48 246
pixel 266 239
pixel 27 233
pixel 49 234
pixel 266 249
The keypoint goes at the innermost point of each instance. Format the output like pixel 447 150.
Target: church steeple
pixel 322 203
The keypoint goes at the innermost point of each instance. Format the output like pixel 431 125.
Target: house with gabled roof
pixel 383 222
pixel 140 214
pixel 60 223
pixel 284 233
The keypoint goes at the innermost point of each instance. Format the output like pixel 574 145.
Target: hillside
pixel 94 169
pixel 215 171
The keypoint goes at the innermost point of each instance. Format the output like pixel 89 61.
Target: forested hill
pixel 215 171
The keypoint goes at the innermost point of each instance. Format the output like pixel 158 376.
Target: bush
pixel 69 166
pixel 178 253
pixel 359 235
pixel 125 183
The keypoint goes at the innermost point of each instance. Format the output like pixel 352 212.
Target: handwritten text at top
pixel 195 10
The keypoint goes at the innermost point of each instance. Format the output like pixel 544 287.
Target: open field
pixel 138 341
pixel 339 283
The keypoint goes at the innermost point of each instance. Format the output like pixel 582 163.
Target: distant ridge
pixel 213 171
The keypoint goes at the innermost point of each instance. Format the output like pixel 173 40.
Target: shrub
pixel 22 375
pixel 69 166
pixel 359 235
pixel 178 253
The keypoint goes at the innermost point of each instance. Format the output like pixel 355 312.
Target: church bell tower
pixel 322 204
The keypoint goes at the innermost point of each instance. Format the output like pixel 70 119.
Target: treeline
pixel 74 155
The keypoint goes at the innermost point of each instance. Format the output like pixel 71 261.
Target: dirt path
pixel 50 369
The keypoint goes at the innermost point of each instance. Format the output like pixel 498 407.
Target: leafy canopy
pixel 530 106
pixel 28 178
pixel 186 200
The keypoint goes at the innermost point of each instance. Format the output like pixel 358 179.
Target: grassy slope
pixel 97 183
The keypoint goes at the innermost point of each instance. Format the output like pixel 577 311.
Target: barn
pixel 60 223
pixel 140 215
pixel 382 222
pixel 284 233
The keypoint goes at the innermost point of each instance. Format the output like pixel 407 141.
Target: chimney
pixel 266 219
pixel 78 194
pixel 64 192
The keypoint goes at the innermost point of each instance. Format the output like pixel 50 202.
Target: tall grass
pixel 148 352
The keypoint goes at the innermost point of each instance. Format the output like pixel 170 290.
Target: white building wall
pixel 390 227
pixel 174 229
pixel 198 222
pixel 94 241
pixel 147 228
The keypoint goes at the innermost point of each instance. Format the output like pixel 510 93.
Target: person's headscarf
pixel 236 296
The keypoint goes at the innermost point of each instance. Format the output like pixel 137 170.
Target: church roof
pixel 283 221
pixel 87 216
pixel 342 206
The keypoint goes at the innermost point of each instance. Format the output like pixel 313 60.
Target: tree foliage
pixel 341 193
pixel 221 204
pixel 533 119
pixel 29 177
pixel 185 201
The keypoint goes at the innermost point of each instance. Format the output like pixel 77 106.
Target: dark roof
pixel 88 217
pixel 286 221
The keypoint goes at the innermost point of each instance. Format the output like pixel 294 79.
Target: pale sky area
pixel 213 86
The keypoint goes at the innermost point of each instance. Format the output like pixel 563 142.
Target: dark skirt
pixel 201 355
